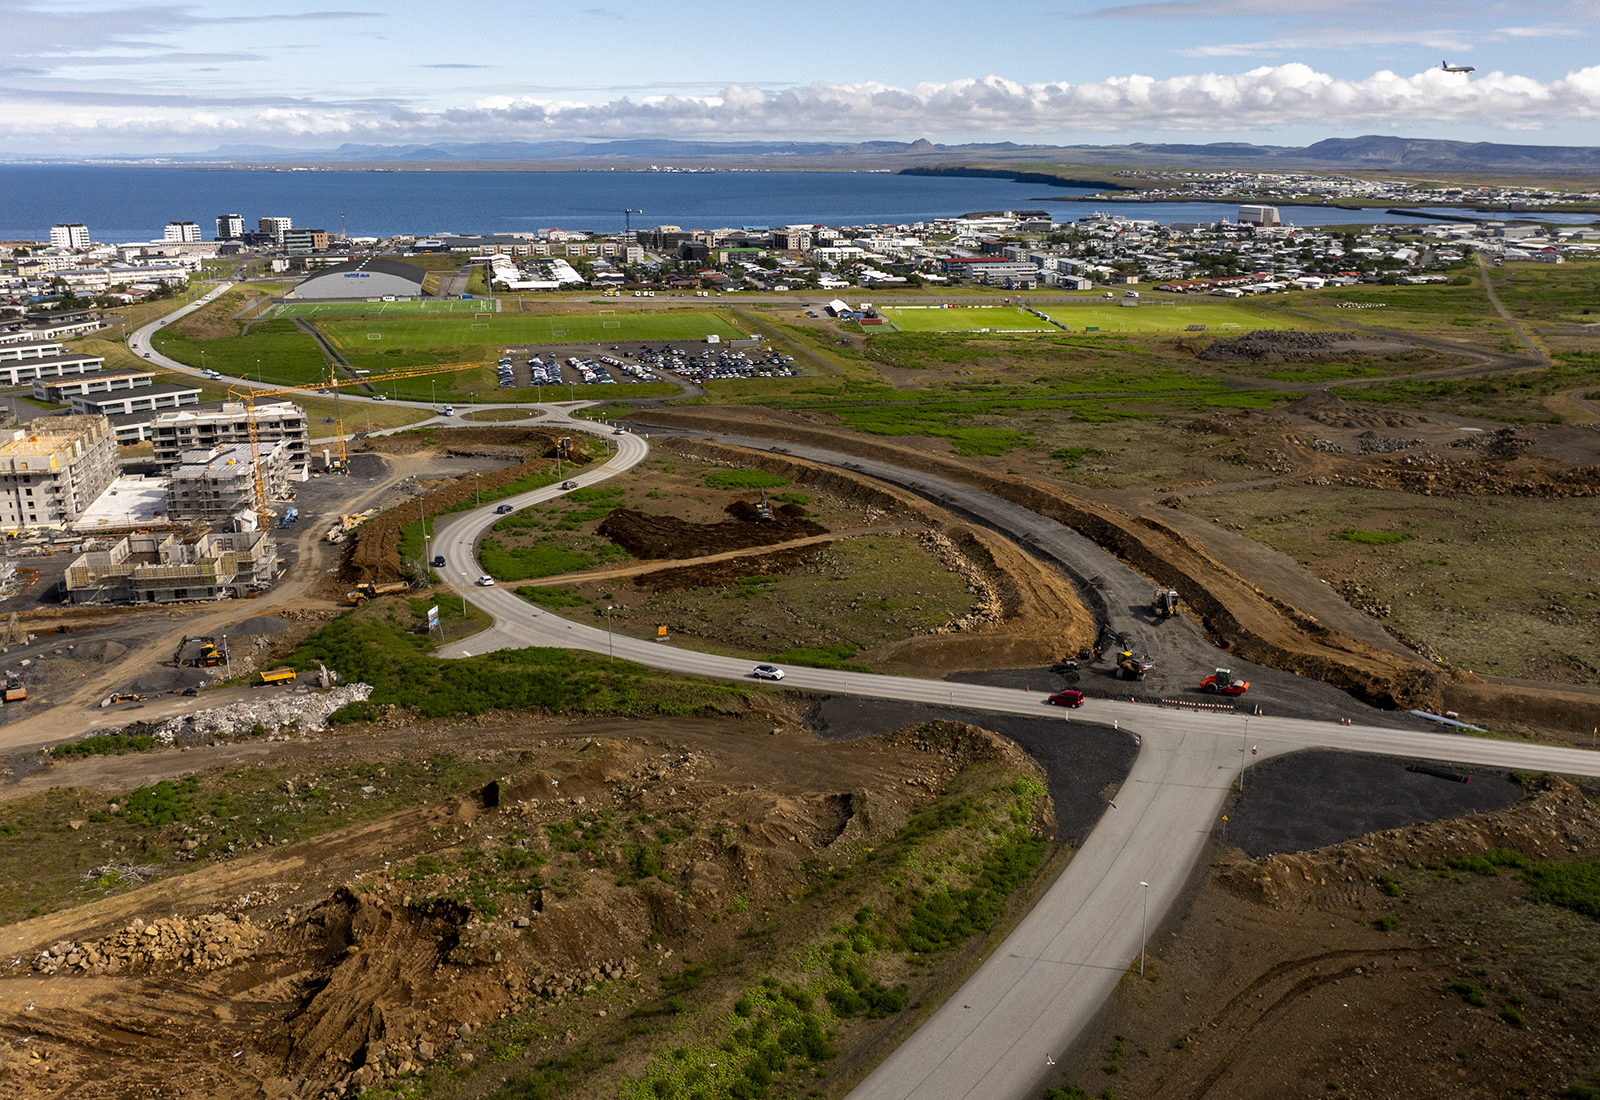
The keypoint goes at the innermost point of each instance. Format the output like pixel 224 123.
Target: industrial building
pixel 1259 215
pixel 156 568
pixel 220 483
pixel 373 277
pixel 51 471
pixel 219 424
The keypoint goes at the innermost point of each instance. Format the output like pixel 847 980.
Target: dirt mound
pixel 1276 345
pixel 1557 818
pixel 669 538
pixel 1322 407
pixel 103 651
pixel 721 574
pixel 260 624
pixel 1429 475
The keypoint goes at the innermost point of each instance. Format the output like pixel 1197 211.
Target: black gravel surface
pixel 1311 799
pixel 1084 762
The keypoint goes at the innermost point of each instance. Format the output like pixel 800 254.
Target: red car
pixel 1067 698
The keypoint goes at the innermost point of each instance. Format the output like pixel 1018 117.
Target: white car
pixel 484 581
pixel 767 672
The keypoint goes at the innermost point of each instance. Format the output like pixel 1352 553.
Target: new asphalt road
pixel 1028 1001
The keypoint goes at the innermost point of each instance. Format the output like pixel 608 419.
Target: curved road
pixel 1030 999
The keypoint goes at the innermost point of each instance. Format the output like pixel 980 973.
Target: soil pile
pixel 722 574
pixel 204 943
pixel 1321 407
pixel 667 537
pixel 1273 346
pixel 1429 475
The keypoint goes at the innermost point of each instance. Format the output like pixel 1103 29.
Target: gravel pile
pixel 261 624
pixel 203 943
pixel 1371 443
pixel 309 711
pixel 1268 345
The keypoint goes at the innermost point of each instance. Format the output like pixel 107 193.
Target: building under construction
pixel 150 569
pixel 219 483
pixel 203 427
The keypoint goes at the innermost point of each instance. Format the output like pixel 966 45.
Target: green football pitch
pixel 1001 319
pixel 519 329
pixel 378 309
pixel 1148 317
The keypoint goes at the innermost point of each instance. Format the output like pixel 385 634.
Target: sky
pixel 104 77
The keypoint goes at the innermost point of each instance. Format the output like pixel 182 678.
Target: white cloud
pixel 1262 99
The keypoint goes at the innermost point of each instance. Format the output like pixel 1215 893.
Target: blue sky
pixel 103 76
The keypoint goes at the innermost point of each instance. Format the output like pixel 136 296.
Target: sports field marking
pixel 557 333
pixel 481 328
pixel 610 324
pixel 374 336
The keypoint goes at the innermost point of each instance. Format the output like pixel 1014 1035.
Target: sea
pixel 121 204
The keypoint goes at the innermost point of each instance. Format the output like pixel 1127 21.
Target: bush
pixel 1388 886
pixel 163 803
pixel 103 744
pixel 1469 993
pixel 1575 886
pixel 1386 923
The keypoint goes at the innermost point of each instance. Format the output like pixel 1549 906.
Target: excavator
pixel 1133 666
pixel 1164 604
pixel 1221 682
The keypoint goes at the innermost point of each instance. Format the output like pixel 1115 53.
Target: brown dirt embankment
pixel 653 538
pixel 1241 617
pixel 375 549
pixel 1036 616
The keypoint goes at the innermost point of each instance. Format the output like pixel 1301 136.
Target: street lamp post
pixel 226 656
pixel 611 650
pixel 1144 924
pixel 476 495
pixel 1244 754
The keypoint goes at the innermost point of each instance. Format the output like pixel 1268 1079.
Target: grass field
pixel 374 309
pixel 1167 318
pixel 1003 319
pixel 275 350
pixel 502 330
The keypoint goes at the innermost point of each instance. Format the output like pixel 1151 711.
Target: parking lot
pixel 627 363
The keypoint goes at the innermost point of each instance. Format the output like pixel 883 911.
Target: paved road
pixel 1030 999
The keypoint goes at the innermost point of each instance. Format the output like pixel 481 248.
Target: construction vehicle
pixel 361 593
pixel 1164 604
pixel 279 676
pixel 209 655
pixel 16 690
pixel 764 509
pixel 1221 682
pixel 1133 666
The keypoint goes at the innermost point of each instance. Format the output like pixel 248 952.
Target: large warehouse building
pixel 373 277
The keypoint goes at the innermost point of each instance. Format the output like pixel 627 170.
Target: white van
pixel 449 410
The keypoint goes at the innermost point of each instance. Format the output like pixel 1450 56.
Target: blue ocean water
pixel 121 204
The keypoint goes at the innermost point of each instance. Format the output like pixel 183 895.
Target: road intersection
pixel 1030 999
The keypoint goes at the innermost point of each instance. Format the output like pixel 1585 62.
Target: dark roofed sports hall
pixel 374 277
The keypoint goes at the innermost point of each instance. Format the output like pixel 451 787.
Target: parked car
pixel 504 509
pixel 484 581
pixel 1067 698
pixel 767 672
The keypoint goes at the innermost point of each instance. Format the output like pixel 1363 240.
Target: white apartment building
pixel 69 235
pixel 220 482
pixel 181 231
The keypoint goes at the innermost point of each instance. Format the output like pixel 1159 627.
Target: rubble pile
pixel 1371 443
pixel 303 712
pixel 557 986
pixel 200 943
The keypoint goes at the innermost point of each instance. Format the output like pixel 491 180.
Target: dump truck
pixel 16 690
pixel 361 593
pixel 1221 682
pixel 1133 666
pixel 1164 604
pixel 279 676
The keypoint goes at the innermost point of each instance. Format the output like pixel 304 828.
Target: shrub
pixel 1469 993
pixel 1373 538
pixel 1575 886
pixel 1386 923
pixel 1389 886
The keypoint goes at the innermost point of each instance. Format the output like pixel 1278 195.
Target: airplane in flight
pixel 1449 68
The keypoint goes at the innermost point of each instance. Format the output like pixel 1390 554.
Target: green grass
pixel 523 563
pixel 834 656
pixel 280 352
pixel 1000 319
pixel 1575 886
pixel 1166 318
pixel 374 309
pixel 505 329
pixel 378 645
pixel 744 479
pixel 1373 538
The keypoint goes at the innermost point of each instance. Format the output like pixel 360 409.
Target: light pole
pixel 476 495
pixel 433 398
pixel 226 656
pixel 1244 754
pixel 610 647
pixel 1144 924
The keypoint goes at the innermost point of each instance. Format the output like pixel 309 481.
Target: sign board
pixel 661 632
pixel 433 617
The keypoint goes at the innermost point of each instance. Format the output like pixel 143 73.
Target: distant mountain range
pixel 1372 151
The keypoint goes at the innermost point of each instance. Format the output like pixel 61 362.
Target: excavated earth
pixel 1277 345
pixel 338 963
pixel 653 537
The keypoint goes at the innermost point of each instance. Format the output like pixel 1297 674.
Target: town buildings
pixel 52 470
pixel 162 568
pixel 212 425
pixel 70 235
